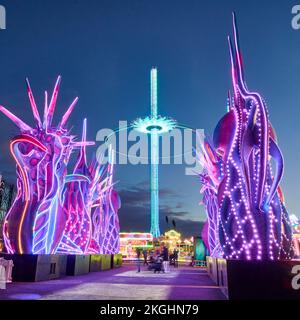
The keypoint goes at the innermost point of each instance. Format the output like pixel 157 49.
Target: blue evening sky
pixel 104 51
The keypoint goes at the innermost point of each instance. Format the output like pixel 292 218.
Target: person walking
pixel 165 256
pixel 145 255
pixel 138 256
pixel 175 253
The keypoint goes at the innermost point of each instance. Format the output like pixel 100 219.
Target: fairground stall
pixel 130 241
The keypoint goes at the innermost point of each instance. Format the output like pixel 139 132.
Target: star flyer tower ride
pixel 155 125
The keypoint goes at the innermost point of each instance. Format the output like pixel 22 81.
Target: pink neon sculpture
pixel 53 211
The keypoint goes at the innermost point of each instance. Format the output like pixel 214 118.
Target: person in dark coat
pixel 175 253
pixel 145 255
pixel 165 256
pixel 138 257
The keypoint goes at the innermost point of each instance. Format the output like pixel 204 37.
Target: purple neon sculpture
pixel 53 211
pixel 253 222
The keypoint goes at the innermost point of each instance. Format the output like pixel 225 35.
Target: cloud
pixel 139 194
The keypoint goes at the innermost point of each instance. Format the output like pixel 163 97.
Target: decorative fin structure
pixel 66 116
pixel 52 104
pixel 278 158
pixel 45 120
pixel 33 105
pixel 256 100
pixel 17 121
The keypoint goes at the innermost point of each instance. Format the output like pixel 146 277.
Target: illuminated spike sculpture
pixel 41 155
pixel 154 126
pixel 253 222
pixel 52 210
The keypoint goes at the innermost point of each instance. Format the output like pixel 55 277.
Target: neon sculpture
pixel 155 126
pixel 252 221
pixel 210 180
pixel 53 211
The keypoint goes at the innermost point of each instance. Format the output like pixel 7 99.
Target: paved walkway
pixel 124 283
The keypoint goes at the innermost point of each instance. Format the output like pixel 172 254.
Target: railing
pixel 199 264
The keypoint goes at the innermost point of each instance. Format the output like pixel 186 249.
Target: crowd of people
pixel 157 260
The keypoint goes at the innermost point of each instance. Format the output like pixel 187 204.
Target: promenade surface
pixel 183 283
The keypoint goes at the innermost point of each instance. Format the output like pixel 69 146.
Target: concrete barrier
pixel 78 264
pixel 31 268
pixel 105 262
pixel 95 262
pixel 117 260
pixel 212 268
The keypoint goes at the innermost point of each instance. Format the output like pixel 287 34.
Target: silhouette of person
pixel 145 255
pixel 138 256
